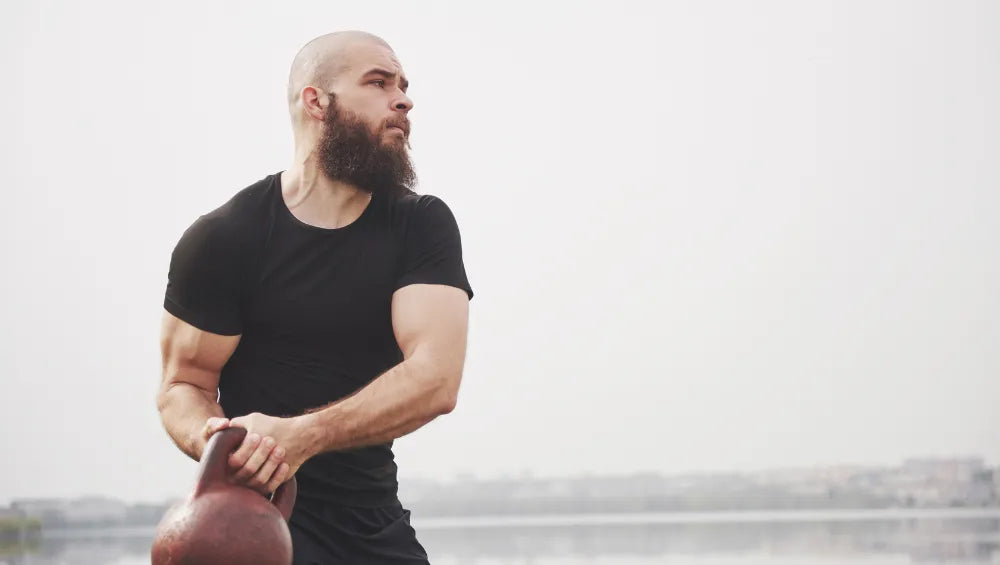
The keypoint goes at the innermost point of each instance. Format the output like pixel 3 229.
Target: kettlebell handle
pixel 215 459
pixel 214 468
pixel 284 497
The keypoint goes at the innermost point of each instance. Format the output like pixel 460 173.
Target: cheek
pixel 373 121
pixel 369 108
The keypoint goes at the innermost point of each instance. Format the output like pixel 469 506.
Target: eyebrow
pixel 388 75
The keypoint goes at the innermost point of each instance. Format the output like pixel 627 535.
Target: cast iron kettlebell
pixel 225 524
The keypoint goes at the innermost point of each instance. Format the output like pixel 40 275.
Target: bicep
pixel 193 356
pixel 430 322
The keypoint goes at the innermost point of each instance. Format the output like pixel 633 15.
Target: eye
pixel 378 82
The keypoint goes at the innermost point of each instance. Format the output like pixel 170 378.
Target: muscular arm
pixel 431 324
pixel 192 361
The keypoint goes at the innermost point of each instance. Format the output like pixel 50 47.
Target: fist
pixel 256 463
pixel 271 453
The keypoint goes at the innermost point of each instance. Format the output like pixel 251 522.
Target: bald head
pixel 320 61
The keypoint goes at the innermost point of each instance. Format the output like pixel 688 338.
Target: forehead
pixel 364 56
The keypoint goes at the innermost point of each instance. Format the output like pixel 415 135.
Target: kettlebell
pixel 225 524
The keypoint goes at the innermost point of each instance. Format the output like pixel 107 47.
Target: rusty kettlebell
pixel 225 524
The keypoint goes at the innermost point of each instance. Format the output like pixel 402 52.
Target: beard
pixel 350 152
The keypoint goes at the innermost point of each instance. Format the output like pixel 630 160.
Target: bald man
pixel 324 308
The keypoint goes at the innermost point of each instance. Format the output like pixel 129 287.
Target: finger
pixel 239 457
pixel 256 460
pixel 213 425
pixel 218 423
pixel 263 475
pixel 246 475
pixel 278 478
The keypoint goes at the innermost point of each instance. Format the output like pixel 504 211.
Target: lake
pixel 745 538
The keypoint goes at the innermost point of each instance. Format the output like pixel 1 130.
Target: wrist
pixel 307 431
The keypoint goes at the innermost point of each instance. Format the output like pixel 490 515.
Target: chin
pixel 396 142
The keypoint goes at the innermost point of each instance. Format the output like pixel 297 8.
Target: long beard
pixel 350 152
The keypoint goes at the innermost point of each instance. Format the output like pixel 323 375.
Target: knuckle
pixel 248 461
pixel 262 459
pixel 281 474
pixel 264 473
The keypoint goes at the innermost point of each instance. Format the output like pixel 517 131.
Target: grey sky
pixel 702 235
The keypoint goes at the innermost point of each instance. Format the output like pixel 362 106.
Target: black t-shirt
pixel 313 308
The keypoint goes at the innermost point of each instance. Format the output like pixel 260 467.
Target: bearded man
pixel 324 309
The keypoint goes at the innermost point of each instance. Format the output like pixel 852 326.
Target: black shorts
pixel 327 534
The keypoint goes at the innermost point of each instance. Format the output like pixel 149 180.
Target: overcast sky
pixel 702 235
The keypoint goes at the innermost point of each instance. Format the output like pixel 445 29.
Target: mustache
pixel 401 123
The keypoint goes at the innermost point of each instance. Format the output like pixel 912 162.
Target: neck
pixel 318 200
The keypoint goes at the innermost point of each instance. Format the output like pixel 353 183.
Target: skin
pixel 430 322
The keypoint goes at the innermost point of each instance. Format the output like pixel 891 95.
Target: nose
pixel 402 104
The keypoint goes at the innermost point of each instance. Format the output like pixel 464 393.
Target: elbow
pixel 166 396
pixel 440 385
pixel 447 405
pixel 447 397
pixel 165 402
pixel 162 399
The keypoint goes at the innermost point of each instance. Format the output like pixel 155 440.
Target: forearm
pixel 184 409
pixel 396 403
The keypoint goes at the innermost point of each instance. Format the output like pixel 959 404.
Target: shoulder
pixel 412 201
pixel 423 209
pixel 243 215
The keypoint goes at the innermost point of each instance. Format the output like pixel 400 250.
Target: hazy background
pixel 702 235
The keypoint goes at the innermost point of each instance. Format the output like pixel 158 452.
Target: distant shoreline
pixel 623 519
pixel 713 517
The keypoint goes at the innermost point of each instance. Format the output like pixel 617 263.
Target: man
pixel 324 309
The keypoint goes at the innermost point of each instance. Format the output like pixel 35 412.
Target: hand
pixel 271 453
pixel 211 426
pixel 251 459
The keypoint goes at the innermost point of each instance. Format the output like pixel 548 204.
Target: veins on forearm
pixel 396 403
pixel 183 410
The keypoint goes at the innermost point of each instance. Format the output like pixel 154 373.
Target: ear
pixel 314 102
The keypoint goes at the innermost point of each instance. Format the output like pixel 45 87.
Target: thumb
pixel 216 424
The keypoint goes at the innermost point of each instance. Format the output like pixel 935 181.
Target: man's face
pixel 366 132
pixel 372 86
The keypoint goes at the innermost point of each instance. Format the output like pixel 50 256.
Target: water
pixel 824 538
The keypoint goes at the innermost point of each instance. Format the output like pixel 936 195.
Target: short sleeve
pixel 432 250
pixel 203 282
